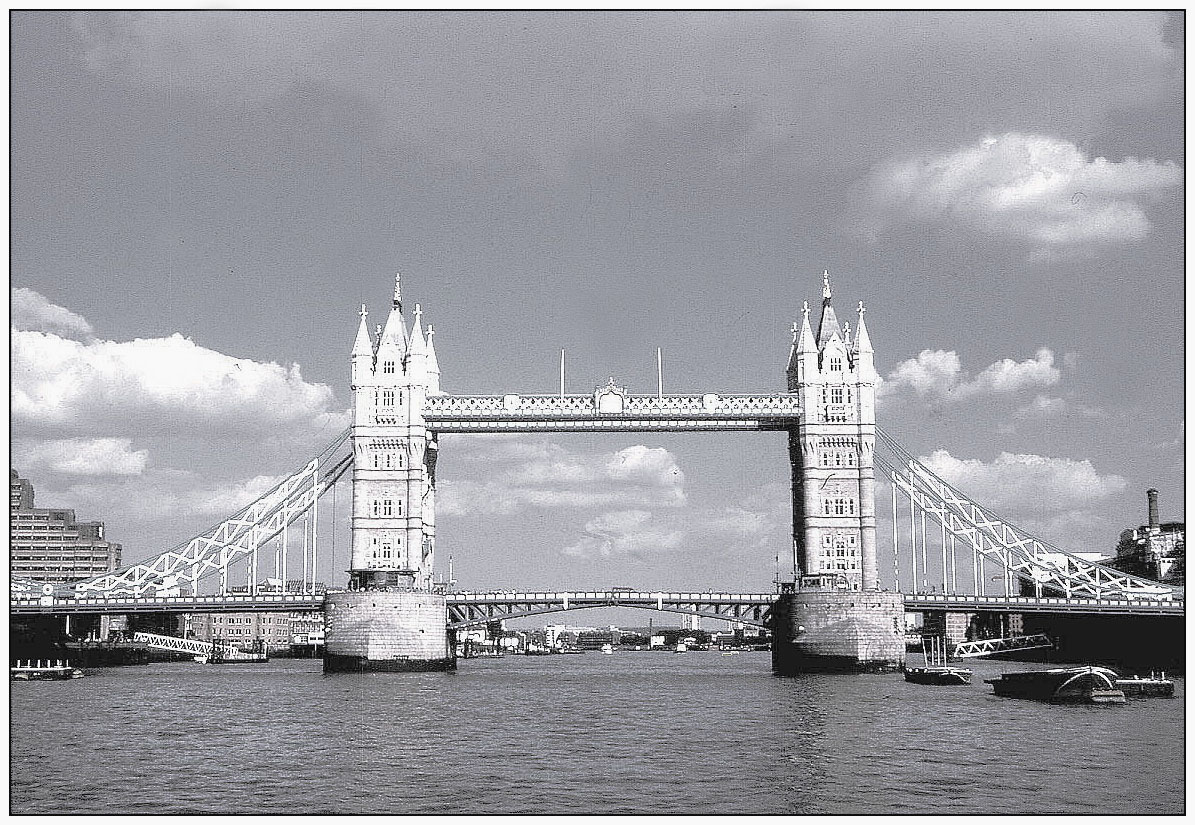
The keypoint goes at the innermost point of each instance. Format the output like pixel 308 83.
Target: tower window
pixel 387 398
pixel 836 395
pixel 388 367
pixel 387 507
pixel 835 364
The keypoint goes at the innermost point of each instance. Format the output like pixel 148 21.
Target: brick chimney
pixel 1154 524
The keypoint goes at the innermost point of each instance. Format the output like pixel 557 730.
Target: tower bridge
pixel 833 614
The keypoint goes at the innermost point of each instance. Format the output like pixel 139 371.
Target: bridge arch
pixel 471 610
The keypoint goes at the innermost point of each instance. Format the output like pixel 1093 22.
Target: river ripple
pixel 642 732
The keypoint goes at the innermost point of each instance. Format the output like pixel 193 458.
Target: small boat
pixel 936 671
pixel 43 670
pixel 201 659
pixel 1089 684
pixel 608 649
pixel 1153 686
pixel 681 647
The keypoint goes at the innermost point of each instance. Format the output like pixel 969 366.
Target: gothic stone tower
pixel 834 616
pixel 833 482
pixel 390 618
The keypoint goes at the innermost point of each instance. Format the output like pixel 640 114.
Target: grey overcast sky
pixel 201 200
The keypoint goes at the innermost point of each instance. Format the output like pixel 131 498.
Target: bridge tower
pixel 833 481
pixel 833 615
pixel 390 618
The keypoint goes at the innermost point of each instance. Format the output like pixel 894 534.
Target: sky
pixel 200 202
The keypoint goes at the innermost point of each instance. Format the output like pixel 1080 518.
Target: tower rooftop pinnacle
pixel 827 327
pixel 363 345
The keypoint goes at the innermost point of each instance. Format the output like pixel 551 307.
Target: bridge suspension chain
pixel 234 539
pixel 1020 555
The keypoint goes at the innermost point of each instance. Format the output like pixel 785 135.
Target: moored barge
pixel 1089 684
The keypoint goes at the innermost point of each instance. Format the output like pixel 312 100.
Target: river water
pixel 702 733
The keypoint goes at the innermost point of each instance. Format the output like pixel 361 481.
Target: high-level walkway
pixel 609 410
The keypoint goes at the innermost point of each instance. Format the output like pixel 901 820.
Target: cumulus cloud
pixel 1043 494
pixel 83 456
pixel 92 386
pixel 33 311
pixel 640 533
pixel 134 502
pixel 1037 189
pixel 638 493
pixel 624 533
pixel 1049 406
pixel 87 415
pixel 939 375
pixel 520 475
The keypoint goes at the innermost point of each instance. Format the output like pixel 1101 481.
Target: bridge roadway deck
pixel 475 608
pixel 917 602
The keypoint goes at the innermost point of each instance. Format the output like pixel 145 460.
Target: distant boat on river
pixel 936 671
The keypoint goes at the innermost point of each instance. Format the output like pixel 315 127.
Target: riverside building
pixel 47 544
pixel 1156 550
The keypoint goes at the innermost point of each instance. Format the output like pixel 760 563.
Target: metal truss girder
pixel 233 539
pixel 174 644
pixel 986 647
pixel 1008 547
pixel 465 610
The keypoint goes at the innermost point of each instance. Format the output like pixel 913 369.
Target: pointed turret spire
pixel 805 339
pixel 417 342
pixel 363 345
pixel 862 340
pixel 395 334
pixel 827 327
pixel 433 365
